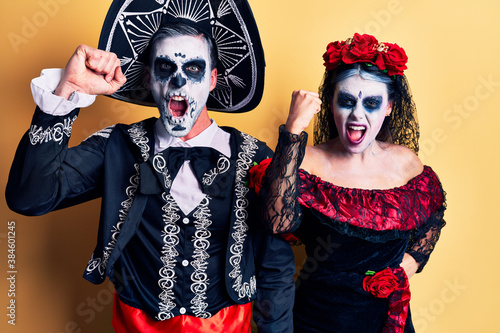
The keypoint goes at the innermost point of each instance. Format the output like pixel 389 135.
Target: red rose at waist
pixel 381 284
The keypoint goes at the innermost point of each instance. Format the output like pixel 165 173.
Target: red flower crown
pixel 388 57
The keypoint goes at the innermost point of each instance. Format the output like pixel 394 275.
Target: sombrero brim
pixel 130 24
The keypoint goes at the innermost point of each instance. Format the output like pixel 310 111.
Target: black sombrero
pixel 130 24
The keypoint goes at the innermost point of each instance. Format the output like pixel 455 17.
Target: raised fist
pixel 304 105
pixel 91 71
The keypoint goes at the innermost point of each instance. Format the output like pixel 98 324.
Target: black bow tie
pixel 214 170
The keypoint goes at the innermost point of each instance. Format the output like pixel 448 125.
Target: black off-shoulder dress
pixel 351 236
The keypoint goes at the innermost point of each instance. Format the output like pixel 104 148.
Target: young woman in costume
pixel 366 209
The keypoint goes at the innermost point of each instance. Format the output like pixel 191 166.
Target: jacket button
pixel 185 263
pixel 182 310
pixel 185 220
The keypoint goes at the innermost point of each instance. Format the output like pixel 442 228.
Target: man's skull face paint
pixel 180 81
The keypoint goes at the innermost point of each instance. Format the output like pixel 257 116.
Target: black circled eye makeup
pixel 346 101
pixel 164 68
pixel 372 103
pixel 195 69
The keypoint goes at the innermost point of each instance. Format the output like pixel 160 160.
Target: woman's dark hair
pixel 400 127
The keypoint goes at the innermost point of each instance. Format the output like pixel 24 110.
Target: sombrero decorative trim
pixel 130 25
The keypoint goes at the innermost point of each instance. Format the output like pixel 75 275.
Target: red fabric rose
pixel 256 174
pixel 381 284
pixel 395 59
pixel 333 55
pixel 361 49
pixel 399 302
pixel 365 48
pixel 393 284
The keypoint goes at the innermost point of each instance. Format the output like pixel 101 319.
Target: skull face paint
pixel 180 80
pixel 359 108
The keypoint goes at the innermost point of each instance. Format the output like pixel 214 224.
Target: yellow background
pixel 454 72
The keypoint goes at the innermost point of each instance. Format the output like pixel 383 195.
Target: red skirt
pixel 127 319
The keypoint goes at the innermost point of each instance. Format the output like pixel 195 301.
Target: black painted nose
pixel 178 81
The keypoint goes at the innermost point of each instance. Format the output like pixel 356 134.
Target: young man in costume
pixel 177 235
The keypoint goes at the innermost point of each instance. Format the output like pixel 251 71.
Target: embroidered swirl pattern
pixel 222 166
pixel 55 133
pixel 159 164
pixel 201 244
pixel 167 274
pixel 243 164
pixel 138 135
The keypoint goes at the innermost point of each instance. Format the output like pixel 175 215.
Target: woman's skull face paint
pixel 359 109
pixel 180 80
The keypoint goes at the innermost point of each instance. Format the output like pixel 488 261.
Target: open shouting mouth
pixel 178 106
pixel 356 133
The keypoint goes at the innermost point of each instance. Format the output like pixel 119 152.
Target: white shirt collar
pixel 213 136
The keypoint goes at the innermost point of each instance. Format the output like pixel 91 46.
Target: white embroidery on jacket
pixel 222 166
pixel 105 132
pixel 201 243
pixel 240 228
pixel 55 133
pixel 138 135
pixel 159 164
pixel 169 253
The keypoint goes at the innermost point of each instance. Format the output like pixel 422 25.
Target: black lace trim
pixel 423 239
pixel 281 210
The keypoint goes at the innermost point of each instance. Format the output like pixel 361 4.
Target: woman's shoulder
pixel 404 162
pixel 314 156
pixel 401 161
pixel 311 157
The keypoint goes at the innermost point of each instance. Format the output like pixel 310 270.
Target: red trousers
pixel 235 318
